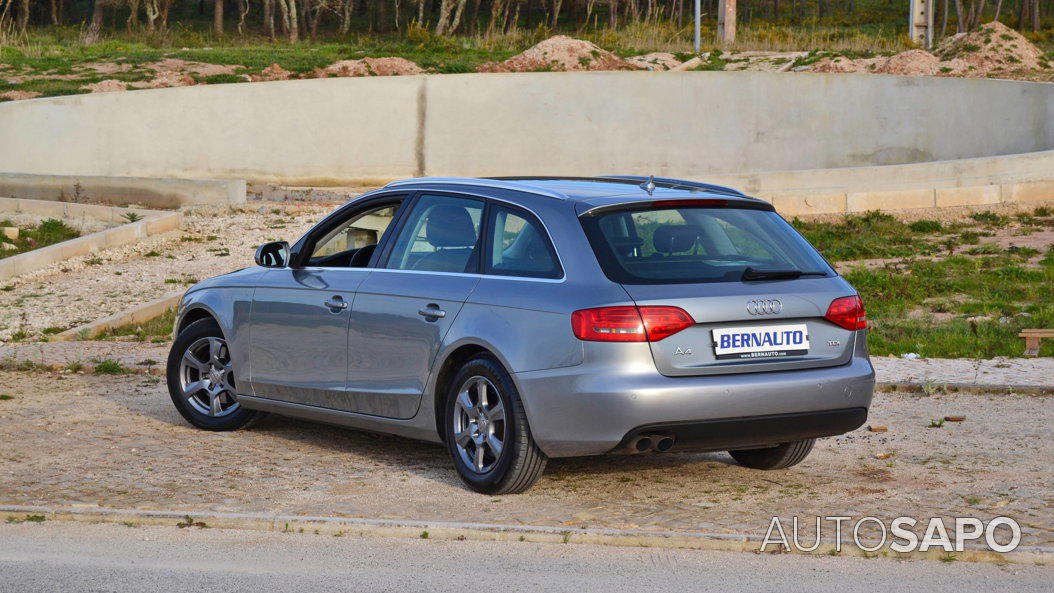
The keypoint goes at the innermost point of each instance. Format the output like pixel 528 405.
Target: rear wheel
pixel 778 457
pixel 487 432
pixel 201 379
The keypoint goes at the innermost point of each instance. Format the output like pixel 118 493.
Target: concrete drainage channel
pixel 365 527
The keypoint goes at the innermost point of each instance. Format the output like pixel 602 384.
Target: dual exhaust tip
pixel 643 443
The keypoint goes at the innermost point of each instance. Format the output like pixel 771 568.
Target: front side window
pixel 441 234
pixel 519 246
pixel 352 242
pixel 697 244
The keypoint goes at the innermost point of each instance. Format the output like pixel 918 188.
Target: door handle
pixel 432 312
pixel 336 303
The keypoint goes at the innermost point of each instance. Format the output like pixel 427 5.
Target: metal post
pixel 698 42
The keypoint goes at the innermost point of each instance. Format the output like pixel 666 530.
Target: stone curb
pixel 137 314
pixel 152 222
pixel 446 530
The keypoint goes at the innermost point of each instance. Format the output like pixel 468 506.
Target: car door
pixel 299 320
pixel 404 308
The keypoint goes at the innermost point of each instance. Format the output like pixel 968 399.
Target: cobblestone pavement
pixel 116 441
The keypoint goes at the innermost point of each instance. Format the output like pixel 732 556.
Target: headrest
pixel 450 226
pixel 675 238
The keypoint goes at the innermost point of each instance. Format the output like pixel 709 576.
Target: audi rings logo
pixel 764 307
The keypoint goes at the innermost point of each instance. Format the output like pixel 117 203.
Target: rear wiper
pixel 773 274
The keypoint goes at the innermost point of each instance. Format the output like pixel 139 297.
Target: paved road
pixel 71 557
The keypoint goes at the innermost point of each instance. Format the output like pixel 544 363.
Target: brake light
pixel 629 324
pixel 847 312
pixel 681 203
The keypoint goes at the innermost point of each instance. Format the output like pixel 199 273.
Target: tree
pixel 217 16
pixel 98 13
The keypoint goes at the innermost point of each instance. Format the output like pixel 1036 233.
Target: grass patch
pixel 870 236
pixel 108 367
pixel 48 232
pixel 990 299
pixel 160 326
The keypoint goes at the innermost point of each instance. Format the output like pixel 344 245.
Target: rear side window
pixel 518 246
pixel 440 235
pixel 694 244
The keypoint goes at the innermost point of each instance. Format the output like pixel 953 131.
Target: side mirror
pixel 273 255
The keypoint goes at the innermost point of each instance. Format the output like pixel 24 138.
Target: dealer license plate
pixel 768 341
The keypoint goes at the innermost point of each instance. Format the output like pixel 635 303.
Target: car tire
pixel 520 462
pixel 214 405
pixel 778 457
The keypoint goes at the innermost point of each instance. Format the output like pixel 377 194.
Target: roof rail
pixel 666 182
pixel 671 182
pixel 495 182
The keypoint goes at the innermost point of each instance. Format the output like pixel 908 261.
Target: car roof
pixel 593 192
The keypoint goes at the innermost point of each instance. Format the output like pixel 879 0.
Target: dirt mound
pixel 840 65
pixel 19 95
pixel 271 73
pixel 199 68
pixel 914 62
pixel 369 67
pixel 991 48
pixel 106 86
pixel 560 53
pixel 654 61
pixel 165 80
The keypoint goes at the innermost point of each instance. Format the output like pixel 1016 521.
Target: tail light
pixel 847 312
pixel 629 324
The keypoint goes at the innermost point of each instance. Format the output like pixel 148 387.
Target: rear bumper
pixel 752 431
pixel 592 409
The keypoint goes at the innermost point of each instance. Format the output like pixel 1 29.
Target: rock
pixel 883 455
pixel 911 356
pixel 11 232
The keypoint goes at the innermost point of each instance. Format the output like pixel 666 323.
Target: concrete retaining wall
pixel 152 223
pixel 149 192
pixel 789 131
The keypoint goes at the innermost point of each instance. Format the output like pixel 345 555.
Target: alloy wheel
pixel 479 424
pixel 206 377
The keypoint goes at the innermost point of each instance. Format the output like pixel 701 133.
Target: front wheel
pixel 201 379
pixel 778 457
pixel 487 432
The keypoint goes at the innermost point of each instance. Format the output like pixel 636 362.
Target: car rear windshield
pixel 698 244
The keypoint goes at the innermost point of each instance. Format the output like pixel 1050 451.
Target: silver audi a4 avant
pixel 519 319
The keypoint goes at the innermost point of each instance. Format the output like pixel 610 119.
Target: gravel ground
pixel 116 441
pixel 211 242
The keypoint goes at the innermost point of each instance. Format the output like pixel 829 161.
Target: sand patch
pixel 106 86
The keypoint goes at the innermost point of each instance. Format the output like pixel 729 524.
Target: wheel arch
pixel 447 370
pixel 193 314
